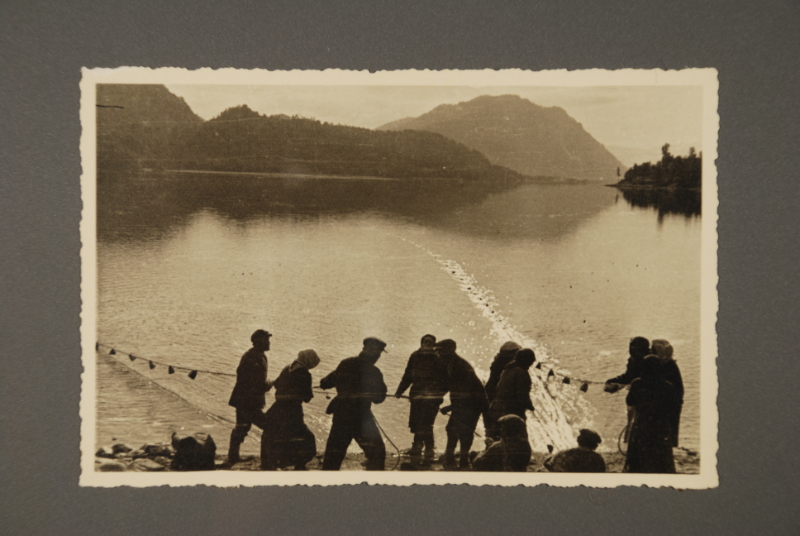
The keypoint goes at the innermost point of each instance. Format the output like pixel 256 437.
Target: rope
pixel 399 456
pixel 210 414
pixel 178 367
pixel 619 440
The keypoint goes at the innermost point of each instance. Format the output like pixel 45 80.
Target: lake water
pixel 191 265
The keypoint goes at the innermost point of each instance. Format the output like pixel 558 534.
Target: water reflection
pixel 149 206
pixel 687 203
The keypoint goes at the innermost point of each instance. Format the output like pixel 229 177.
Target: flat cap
pixel 374 340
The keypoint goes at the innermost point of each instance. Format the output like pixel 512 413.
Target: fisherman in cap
pixel 467 399
pixel 248 393
pixel 286 439
pixel 359 384
pixel 427 377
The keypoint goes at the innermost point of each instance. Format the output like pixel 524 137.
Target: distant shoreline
pixel 652 187
pixel 278 175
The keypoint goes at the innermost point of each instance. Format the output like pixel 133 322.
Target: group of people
pixel 433 371
pixel 655 401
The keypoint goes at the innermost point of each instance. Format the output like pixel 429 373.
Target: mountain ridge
pixel 150 128
pixel 516 133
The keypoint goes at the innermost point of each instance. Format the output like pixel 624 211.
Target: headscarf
pixel 307 358
pixel 663 349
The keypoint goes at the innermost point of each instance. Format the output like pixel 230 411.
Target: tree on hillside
pixel 671 171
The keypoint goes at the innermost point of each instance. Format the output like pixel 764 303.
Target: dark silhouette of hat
pixel 374 340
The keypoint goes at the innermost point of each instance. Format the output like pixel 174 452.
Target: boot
pixel 430 452
pixel 415 453
pixel 464 461
pixel 233 450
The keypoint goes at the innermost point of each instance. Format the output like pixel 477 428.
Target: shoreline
pixel 651 187
pixel 156 457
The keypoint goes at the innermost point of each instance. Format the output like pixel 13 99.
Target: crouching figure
pixel 511 453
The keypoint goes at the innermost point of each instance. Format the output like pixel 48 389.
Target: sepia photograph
pixel 399 277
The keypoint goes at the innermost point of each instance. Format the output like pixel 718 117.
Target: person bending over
pixel 467 399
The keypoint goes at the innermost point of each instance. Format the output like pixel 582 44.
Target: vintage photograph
pixel 405 277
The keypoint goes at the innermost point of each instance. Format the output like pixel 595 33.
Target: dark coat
pixel 632 371
pixel 426 374
pixel 513 392
pixel 466 389
pixel 285 417
pixel 577 460
pixel 251 381
pixel 495 371
pixel 650 445
pixel 673 375
pixel 359 384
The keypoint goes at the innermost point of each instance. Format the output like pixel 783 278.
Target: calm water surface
pixel 189 267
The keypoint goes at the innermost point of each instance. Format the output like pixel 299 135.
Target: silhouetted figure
pixel 248 393
pixel 503 358
pixel 513 392
pixel 638 348
pixel 359 384
pixel 654 401
pixel 672 374
pixel 287 440
pixel 582 459
pixel 467 399
pixel 193 453
pixel 511 453
pixel 427 376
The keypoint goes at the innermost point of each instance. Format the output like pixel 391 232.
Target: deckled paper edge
pixel 707 78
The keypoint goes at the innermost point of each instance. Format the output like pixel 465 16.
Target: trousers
pixel 361 427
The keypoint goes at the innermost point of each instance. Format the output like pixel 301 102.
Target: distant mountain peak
pixel 235 113
pixel 513 131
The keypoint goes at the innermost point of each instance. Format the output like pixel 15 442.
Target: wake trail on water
pixel 552 400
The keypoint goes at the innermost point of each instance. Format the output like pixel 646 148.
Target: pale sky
pixel 633 122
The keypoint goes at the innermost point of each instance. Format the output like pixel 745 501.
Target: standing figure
pixel 427 376
pixel 638 348
pixel 654 401
pixel 582 459
pixel 248 393
pixel 286 439
pixel 503 358
pixel 511 453
pixel 672 374
pixel 359 384
pixel 513 392
pixel 468 402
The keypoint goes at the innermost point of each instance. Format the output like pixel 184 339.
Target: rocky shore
pixel 159 457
